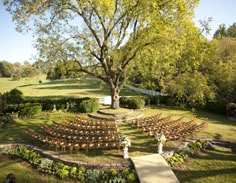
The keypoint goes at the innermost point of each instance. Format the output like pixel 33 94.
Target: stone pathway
pixel 153 168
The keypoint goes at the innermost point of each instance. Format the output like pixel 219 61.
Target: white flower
pixel 160 138
pixel 125 141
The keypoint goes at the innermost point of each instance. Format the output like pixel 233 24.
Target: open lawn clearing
pixel 7 84
pixel 215 166
pixel 80 88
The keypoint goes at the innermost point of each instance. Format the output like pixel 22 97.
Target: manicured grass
pixel 81 88
pixel 6 84
pixel 23 172
pixel 210 166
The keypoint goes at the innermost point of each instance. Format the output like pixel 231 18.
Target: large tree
pixel 103 36
pixel 182 77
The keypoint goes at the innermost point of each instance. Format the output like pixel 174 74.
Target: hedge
pixel 89 106
pixel 29 109
pixel 132 102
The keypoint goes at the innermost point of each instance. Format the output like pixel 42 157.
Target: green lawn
pixel 82 88
pixel 215 166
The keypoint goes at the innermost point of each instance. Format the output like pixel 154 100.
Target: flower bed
pixel 63 171
pixel 180 156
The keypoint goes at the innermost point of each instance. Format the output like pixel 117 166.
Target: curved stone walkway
pixel 153 168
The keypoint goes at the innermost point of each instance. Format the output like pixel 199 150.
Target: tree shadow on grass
pixel 190 175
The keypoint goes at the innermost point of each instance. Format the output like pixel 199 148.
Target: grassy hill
pixel 78 88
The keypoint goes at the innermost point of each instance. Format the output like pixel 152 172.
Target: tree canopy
pixel 103 37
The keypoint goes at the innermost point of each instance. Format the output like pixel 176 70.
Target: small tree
pixel 15 96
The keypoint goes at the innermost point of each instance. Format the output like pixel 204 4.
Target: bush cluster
pixel 218 108
pixel 83 105
pixel 29 109
pixel 231 110
pixel 180 156
pixel 132 102
pixel 156 100
pixel 89 106
pixel 6 120
pixel 63 171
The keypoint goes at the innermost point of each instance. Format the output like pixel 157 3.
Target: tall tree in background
pixel 182 76
pixel 103 36
pixel 222 70
pixel 222 31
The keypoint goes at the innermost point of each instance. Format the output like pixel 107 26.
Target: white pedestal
pixel 160 146
pixel 126 155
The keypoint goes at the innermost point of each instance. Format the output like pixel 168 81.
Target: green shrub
pixel 156 100
pixel 219 108
pixel 197 146
pixel 29 109
pixel 81 173
pixel 89 106
pixel 231 109
pixel 178 158
pixel 6 119
pixel 93 176
pixel 73 172
pixel 46 166
pixel 132 102
pixel 63 172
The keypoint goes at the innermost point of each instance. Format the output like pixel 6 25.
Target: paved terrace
pixel 153 169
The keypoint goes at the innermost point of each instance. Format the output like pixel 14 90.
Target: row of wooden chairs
pixel 80 134
pixel 172 129
pixel 74 125
pixel 85 121
pixel 78 144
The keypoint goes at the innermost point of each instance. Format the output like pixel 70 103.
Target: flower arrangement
pixel 160 138
pixel 125 141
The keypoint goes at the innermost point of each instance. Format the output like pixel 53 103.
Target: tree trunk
pixel 115 103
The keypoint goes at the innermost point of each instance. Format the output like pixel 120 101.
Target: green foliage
pixel 180 156
pixel 156 100
pixel 215 107
pixel 231 109
pixel 81 175
pixel 45 165
pixel 222 70
pixel 73 172
pixel 89 106
pixel 197 146
pixel 6 119
pixel 29 109
pixel 92 176
pixel 64 70
pixel 15 96
pixel 132 102
pixel 6 69
pixel 64 171
pixel 222 31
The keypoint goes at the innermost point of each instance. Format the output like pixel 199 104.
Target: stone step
pixel 111 117
pixel 115 113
